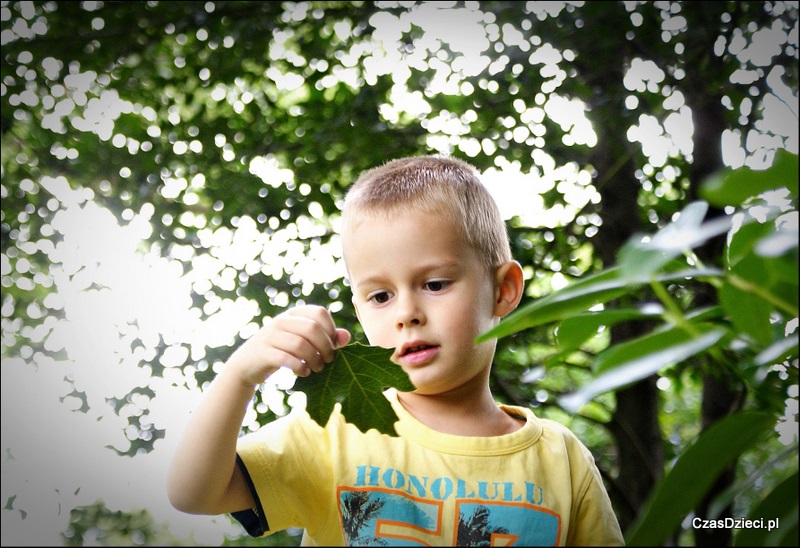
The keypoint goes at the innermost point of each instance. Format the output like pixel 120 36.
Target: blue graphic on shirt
pixel 482 524
pixel 382 517
pixel 364 513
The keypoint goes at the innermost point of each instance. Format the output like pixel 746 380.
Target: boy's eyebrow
pixel 453 264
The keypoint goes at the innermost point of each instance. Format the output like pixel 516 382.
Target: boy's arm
pixel 204 477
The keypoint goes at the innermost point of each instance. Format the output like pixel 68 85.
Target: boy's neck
pixel 460 414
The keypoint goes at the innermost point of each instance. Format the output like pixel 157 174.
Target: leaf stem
pixel 675 315
pixel 746 285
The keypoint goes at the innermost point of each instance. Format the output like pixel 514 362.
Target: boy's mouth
pixel 417 348
pixel 417 353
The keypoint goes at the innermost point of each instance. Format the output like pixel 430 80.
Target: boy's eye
pixel 436 285
pixel 380 297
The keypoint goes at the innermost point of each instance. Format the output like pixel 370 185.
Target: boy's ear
pixel 509 285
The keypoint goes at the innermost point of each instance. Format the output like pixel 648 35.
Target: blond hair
pixel 436 184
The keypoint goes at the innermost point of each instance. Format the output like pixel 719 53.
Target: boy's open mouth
pixel 418 348
pixel 417 353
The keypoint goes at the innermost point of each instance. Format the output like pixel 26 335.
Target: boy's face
pixel 420 289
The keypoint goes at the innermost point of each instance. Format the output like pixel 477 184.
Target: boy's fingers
pixel 320 316
pixel 342 337
pixel 294 348
pixel 303 370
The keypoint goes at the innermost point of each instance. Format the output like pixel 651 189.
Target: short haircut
pixel 436 184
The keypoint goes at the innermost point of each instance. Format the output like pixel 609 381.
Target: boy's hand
pixel 302 339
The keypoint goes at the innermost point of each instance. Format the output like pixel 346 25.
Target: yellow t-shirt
pixel 536 486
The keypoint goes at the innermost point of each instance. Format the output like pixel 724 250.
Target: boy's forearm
pixel 203 477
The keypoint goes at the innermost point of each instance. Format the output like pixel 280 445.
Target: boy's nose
pixel 408 312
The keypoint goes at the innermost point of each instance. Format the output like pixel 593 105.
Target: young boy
pixel 430 268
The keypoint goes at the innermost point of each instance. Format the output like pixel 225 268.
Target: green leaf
pixel 734 187
pixel 574 330
pixel 695 471
pixel 356 379
pixel 746 234
pixel 634 360
pixel 575 297
pixel 751 482
pixel 778 351
pixel 755 288
pixel 781 505
pixel 580 296
pixel 748 312
pixel 667 339
pixel 643 257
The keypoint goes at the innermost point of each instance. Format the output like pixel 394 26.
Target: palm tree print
pixel 476 530
pixel 358 508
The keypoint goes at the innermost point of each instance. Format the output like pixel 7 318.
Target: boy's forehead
pixel 363 221
pixel 364 235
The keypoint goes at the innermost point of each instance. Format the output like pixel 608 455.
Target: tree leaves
pixel 356 379
pixel 638 358
pixel 582 295
pixel 693 473
pixel 756 318
pixel 735 186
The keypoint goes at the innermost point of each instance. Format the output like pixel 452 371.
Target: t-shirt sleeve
pixel 286 463
pixel 594 521
pixel 252 520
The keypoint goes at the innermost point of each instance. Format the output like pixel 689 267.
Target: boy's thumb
pixel 342 337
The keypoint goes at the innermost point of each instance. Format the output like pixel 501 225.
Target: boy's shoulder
pixel 553 431
pixel 549 430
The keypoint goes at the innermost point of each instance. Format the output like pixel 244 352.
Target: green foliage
pixel 693 475
pixel 733 187
pixel 753 329
pixel 356 379
pixel 781 505
pixel 96 524
pixel 634 360
pixel 581 296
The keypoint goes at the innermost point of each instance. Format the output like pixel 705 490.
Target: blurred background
pixel 172 173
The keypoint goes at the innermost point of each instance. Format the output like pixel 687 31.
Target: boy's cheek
pixel 369 332
pixel 373 331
